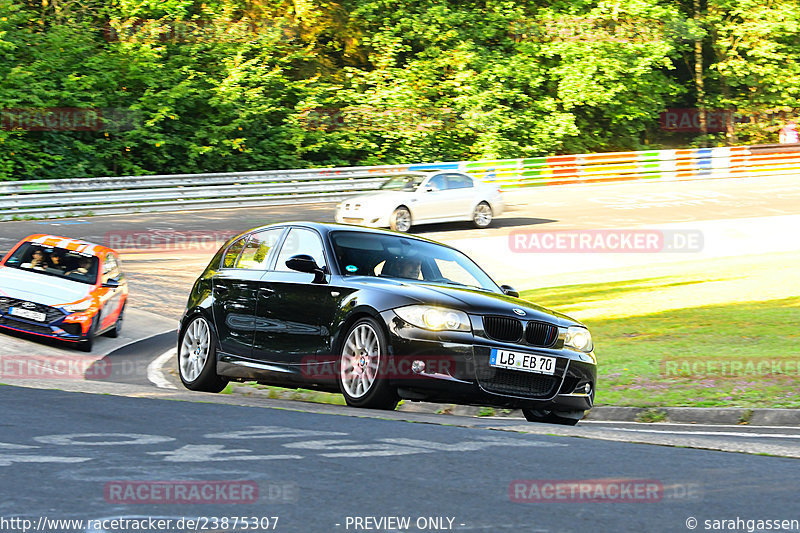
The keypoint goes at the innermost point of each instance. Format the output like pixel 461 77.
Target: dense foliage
pixel 191 86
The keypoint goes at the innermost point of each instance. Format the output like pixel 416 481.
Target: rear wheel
pixel 482 216
pixel 197 357
pixel 400 220
pixel 362 367
pixel 565 418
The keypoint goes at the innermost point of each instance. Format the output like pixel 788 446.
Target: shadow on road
pixel 497 223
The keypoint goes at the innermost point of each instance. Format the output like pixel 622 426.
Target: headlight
pixel 77 307
pixel 579 338
pixel 434 318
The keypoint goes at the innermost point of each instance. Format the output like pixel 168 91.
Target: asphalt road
pixel 598 205
pixel 318 472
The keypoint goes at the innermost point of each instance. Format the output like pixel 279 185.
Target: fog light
pixel 587 389
pixel 418 367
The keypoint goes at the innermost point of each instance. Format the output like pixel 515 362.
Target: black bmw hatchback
pixel 379 316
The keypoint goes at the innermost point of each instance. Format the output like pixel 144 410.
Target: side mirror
pixel 305 263
pixel 111 284
pixel 510 291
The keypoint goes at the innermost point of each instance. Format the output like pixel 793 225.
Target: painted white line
pixel 680 424
pixel 711 433
pixel 154 372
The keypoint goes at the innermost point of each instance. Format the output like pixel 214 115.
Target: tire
pixel 482 215
pixel 117 329
pixel 362 367
pixel 400 220
pixel 197 357
pixel 86 344
pixel 564 418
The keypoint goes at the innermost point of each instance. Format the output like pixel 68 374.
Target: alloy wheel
pixel 360 361
pixel 194 349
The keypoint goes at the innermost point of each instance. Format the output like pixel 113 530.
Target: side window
pixel 232 254
pixel 437 183
pixel 256 253
pixel 457 181
pixel 301 241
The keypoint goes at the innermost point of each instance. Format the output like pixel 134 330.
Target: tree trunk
pixel 698 76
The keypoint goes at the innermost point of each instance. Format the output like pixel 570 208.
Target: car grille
pixel 351 220
pixel 502 381
pixel 501 328
pixel 26 326
pixel 541 334
pixel 52 313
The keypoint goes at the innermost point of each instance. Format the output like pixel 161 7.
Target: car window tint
pixel 75 266
pixel 457 181
pixel 256 253
pixel 371 254
pixel 301 241
pixel 233 253
pixel 437 183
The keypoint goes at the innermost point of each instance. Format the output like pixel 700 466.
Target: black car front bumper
pixel 457 370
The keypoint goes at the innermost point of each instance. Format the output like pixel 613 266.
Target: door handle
pixel 265 292
pixel 222 289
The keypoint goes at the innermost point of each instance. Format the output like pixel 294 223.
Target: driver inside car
pixel 409 268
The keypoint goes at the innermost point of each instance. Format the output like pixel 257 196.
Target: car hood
pixel 41 288
pixel 471 301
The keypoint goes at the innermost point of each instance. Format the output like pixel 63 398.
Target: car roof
pixel 327 227
pixel 67 243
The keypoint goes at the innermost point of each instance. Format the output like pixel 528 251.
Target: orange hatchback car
pixel 62 288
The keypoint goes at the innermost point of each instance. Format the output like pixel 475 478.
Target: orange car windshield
pixel 51 261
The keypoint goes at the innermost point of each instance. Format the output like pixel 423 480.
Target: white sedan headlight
pixel 579 338
pixel 78 307
pixel 434 318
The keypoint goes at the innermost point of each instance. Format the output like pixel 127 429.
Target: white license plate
pixel 27 313
pixel 527 362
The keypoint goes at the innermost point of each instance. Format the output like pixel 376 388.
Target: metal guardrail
pixel 160 193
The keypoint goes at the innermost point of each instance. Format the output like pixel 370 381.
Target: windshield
pixel 51 261
pixel 407 182
pixel 390 256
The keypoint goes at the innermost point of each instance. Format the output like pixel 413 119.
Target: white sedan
pixel 424 198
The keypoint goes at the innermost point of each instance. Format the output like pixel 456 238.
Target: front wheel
pixel 86 344
pixel 400 220
pixel 564 418
pixel 117 329
pixel 482 216
pixel 362 367
pixel 197 358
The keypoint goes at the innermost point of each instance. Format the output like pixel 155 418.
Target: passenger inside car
pixel 37 262
pixel 84 263
pixel 57 261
